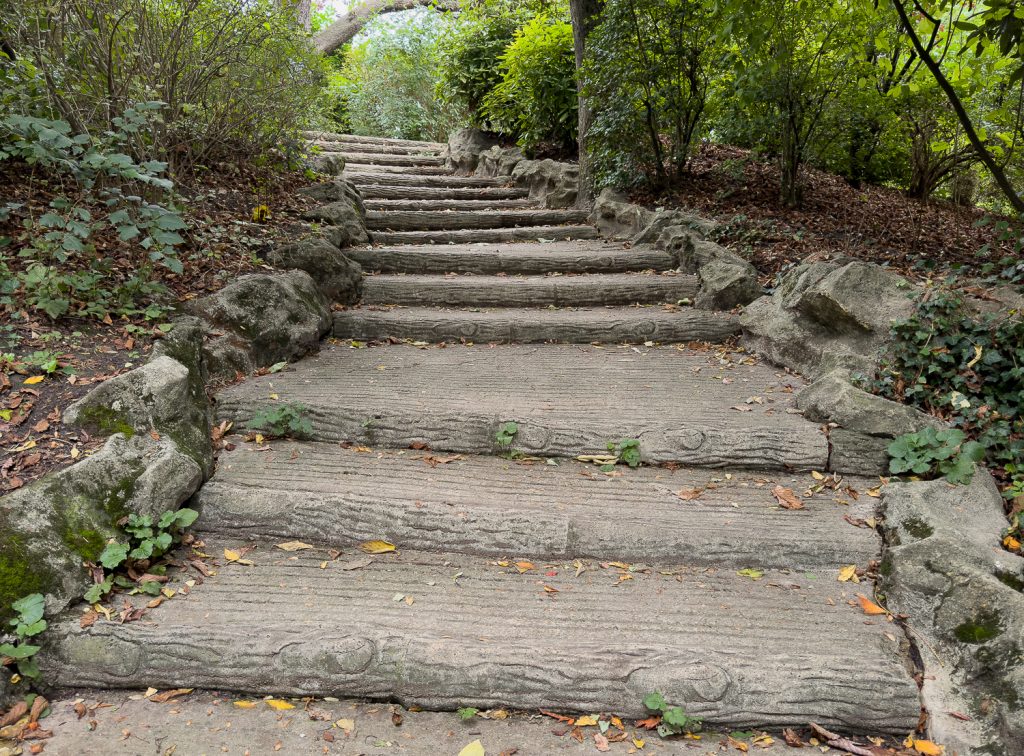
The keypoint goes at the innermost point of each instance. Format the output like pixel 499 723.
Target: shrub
pixel 649 66
pixel 536 98
pixel 930 453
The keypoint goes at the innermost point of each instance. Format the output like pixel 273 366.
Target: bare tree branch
pixel 349 25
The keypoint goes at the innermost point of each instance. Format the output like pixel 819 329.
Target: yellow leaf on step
pixel 476 748
pixel 347 725
pixel 925 747
pixel 524 566
pixel 245 704
pixel 293 546
pixel 817 475
pixel 377 547
pixel 33 380
pixel 1011 543
pixel 588 721
pixel 279 705
pixel 869 606
pixel 639 742
pixel 848 573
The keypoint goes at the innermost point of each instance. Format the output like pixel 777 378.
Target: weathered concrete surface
pixel 498 161
pixel 448 204
pixel 567 400
pixel 432 220
pixel 945 569
pixel 337 137
pixel 523 258
pixel 464 147
pixel 607 325
pixel 479 634
pixel 208 723
pixel 551 183
pixel 371 190
pixel 471 236
pixel 587 290
pixel 390 158
pixel 409 180
pixel 321 493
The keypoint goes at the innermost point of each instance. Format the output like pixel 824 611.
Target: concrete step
pixel 450 220
pixel 363 178
pixel 525 258
pixel 379 191
pixel 352 169
pixel 377 149
pixel 587 290
pixel 385 158
pixel 328 136
pixel 443 631
pixel 694 407
pixel 335 497
pixel 486 236
pixel 611 325
pixel 448 204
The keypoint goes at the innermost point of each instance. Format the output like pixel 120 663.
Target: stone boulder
pixel 499 161
pixel 944 569
pixel 346 225
pixel 554 185
pixel 826 315
pixel 340 279
pixel 330 164
pixel 336 190
pixel 465 147
pixel 726 279
pixel 618 218
pixel 262 319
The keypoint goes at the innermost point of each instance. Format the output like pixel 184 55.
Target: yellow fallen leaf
pixel 259 438
pixel 293 546
pixel 1011 543
pixel 279 705
pixel 639 742
pixel 234 556
pixel 524 566
pixel 620 565
pixel 869 606
pixel 245 704
pixel 817 475
pixel 588 721
pixel 925 747
pixel 33 380
pixel 616 722
pixel 978 351
pixel 848 573
pixel 347 725
pixel 476 748
pixel 377 547
pixel 875 492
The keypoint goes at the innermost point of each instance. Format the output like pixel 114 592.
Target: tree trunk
pixel 791 158
pixel 349 25
pixel 585 15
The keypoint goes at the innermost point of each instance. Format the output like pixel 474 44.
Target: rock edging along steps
pixel 713 591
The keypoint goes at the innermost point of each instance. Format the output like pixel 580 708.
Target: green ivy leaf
pixel 113 555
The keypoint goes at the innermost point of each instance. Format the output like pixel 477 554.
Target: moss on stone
pixel 105 420
pixel 917 527
pixel 981 629
pixel 1010 579
pixel 19 576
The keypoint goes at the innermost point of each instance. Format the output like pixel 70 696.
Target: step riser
pixel 451 204
pixel 369 159
pixel 451 220
pixel 487 261
pixel 327 136
pixel 378 191
pixel 448 327
pixel 535 233
pixel 543 292
pixel 355 169
pixel 398 179
pixel 375 149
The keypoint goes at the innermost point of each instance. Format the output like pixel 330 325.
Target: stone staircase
pixel 524 578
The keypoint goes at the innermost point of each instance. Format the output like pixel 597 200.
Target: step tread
pixel 355 169
pixel 586 289
pixel 738 652
pixel 401 179
pixel 414 220
pixel 567 400
pixel 591 256
pixel 448 204
pixel 331 136
pixel 531 325
pixel 486 235
pixel 380 191
pixel 322 493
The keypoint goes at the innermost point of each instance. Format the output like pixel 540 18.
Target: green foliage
pixel 649 68
pixel 506 434
pixel 282 421
pixel 147 542
pixel 27 623
pixel 466 713
pixel 966 368
pixel 931 453
pixel 536 98
pixel 627 450
pixel 674 720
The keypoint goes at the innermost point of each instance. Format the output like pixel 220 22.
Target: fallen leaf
pixel 786 498
pixel 588 721
pixel 41 427
pixel 346 725
pixel 689 494
pixel 294 546
pixel 639 742
pixel 559 717
pixel 356 564
pixel 377 547
pixel 650 723
pixel 476 748
pixel 234 556
pixel 34 380
pixel 925 747
pixel 524 566
pixel 88 619
pixel 550 589
pixel 848 573
pixel 751 573
pixel 1011 543
pixel 167 695
pixel 869 606
pixel 817 475
pixel 792 739
pixel 245 704
pixel 739 745
pixel 601 742
pixel 278 704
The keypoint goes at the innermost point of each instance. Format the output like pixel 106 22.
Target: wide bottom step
pixel 447 631
pixel 610 325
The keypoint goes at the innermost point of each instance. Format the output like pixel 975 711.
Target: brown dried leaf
pixel 786 498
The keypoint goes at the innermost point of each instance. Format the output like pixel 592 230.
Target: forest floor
pixel 46 365
pixel 918 239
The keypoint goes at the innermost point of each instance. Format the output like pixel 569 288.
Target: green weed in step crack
pixel 674 719
pixel 506 434
pixel 626 451
pixel 287 420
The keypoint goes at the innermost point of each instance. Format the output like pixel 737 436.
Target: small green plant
pixel 506 434
pixel 627 450
pixel 286 420
pixel 674 720
pixel 466 713
pixel 27 623
pixel 933 453
pixel 146 544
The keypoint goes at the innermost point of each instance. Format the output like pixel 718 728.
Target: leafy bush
pixel 649 67
pixel 930 453
pixel 536 98
pixel 28 622
pixel 283 420
pixel 966 368
pixel 236 75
